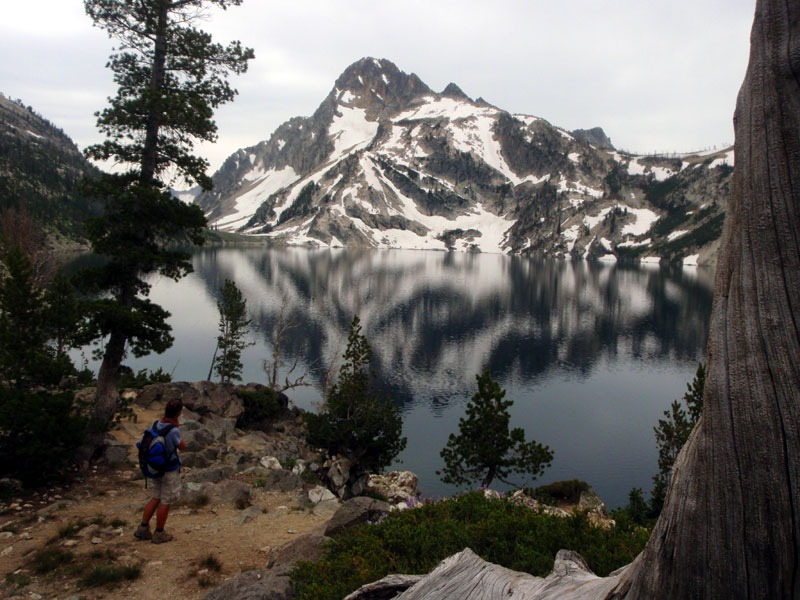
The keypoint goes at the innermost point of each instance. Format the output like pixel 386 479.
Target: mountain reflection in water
pixel 592 354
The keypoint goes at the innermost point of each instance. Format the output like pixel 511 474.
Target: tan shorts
pixel 167 488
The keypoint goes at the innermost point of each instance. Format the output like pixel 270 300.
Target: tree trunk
pixel 107 396
pixel 730 527
pixel 155 109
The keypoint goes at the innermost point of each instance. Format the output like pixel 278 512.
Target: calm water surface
pixel 591 354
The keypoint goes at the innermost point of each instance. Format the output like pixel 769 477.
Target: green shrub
pixel 568 491
pixel 211 563
pixel 260 407
pixel 416 540
pixel 109 575
pixel 127 379
pixel 50 559
pixel 39 434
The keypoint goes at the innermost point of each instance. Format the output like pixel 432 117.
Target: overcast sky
pixel 657 76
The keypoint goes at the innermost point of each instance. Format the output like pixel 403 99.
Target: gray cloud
pixel 655 76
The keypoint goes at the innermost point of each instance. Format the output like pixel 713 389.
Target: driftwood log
pixel 730 527
pixel 465 576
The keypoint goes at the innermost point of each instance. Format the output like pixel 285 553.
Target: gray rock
pixel 262 584
pixel 247 515
pixel 281 480
pixel 197 439
pixel 339 473
pixel 232 491
pixel 397 486
pixel 195 460
pixel 270 462
pixel 326 508
pixel 211 453
pixel 219 427
pixel 319 494
pixel 116 453
pixel 355 512
pixel 359 486
pixel 211 475
pixel 306 547
pixel 187 425
pixel 591 502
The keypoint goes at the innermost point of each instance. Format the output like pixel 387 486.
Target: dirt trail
pixel 168 571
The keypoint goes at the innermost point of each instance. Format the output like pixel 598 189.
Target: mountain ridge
pixel 41 169
pixel 385 161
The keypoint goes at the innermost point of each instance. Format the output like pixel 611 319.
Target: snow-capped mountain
pixel 387 162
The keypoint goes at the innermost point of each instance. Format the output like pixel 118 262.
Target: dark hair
pixel 173 408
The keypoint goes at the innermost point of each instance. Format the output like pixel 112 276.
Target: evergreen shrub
pixel 568 491
pixel 39 434
pixel 260 406
pixel 414 541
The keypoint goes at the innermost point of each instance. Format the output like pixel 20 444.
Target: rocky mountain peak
pixel 595 136
pixel 453 91
pixel 377 85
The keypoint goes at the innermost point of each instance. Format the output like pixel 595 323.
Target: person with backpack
pixel 159 460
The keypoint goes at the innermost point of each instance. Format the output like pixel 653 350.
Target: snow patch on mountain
pixel 351 131
pixel 268 182
pixel 644 221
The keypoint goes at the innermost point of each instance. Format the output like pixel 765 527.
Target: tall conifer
pixel 171 77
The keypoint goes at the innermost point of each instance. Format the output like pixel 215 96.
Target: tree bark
pixel 155 112
pixel 730 527
pixel 107 396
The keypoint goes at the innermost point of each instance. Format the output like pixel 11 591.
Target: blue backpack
pixel 154 457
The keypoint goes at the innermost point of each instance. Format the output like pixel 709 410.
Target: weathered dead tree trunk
pixel 730 527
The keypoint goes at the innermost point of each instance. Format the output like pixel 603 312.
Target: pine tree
pixel 672 433
pixel 170 76
pixel 485 448
pixel 356 421
pixel 23 336
pixel 233 325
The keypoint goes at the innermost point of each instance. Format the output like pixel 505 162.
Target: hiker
pixel 166 489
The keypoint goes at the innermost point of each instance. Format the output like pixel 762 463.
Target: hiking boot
pixel 143 532
pixel 159 537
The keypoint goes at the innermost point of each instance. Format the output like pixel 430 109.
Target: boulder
pixel 354 512
pixel 280 480
pixel 397 486
pixel 339 475
pixel 591 502
pixel 270 462
pixel 202 398
pixel 319 494
pixel 299 467
pixel 215 398
pixel 197 439
pixel 163 393
pixel 306 547
pixel 262 584
pixel 247 515
pixel 194 460
pixel 359 486
pixel 232 491
pixel 219 427
pixel 210 475
pixel 115 452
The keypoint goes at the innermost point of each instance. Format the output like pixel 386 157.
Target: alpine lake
pixel 592 354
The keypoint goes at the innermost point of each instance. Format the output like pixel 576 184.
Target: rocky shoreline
pixel 233 467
